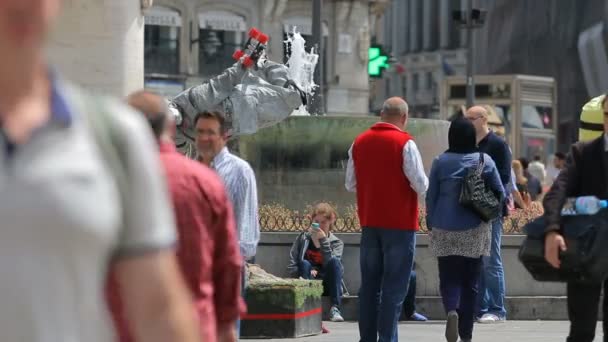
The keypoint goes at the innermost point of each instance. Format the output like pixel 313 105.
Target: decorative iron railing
pixel 275 218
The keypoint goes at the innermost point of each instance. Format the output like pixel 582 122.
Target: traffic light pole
pixel 317 105
pixel 470 61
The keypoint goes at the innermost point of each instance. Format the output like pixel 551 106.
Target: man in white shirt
pixel 537 169
pixel 386 171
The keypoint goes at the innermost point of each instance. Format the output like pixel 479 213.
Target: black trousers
pixel 583 299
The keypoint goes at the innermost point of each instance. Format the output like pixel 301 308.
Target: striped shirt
pixel 240 183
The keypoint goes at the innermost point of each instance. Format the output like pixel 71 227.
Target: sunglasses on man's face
pixel 605 113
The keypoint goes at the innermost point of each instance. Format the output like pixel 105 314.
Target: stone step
pixel 518 308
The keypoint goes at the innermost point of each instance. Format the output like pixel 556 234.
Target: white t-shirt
pixel 61 224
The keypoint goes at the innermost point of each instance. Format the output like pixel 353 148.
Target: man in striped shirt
pixel 238 177
pixel 239 180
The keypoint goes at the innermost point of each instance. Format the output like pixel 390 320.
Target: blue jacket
pixel 449 169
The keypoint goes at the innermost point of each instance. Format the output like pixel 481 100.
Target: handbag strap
pixel 480 164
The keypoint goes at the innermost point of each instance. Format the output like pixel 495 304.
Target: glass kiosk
pixel 525 109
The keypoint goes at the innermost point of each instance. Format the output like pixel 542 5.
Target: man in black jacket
pixel 492 284
pixel 585 173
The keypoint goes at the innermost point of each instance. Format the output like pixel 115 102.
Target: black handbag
pixel 477 196
pixel 586 255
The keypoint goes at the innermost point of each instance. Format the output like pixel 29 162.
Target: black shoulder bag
pixel 476 195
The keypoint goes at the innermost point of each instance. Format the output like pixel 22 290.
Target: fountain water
pixel 301 66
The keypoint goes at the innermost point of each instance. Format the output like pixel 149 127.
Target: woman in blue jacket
pixel 459 238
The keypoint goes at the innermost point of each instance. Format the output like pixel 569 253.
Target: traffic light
pixel 378 60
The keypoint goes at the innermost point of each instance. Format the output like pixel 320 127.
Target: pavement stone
pixel 520 331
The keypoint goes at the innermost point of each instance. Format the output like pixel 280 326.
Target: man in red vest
pixel 386 171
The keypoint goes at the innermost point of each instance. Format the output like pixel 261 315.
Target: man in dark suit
pixel 585 173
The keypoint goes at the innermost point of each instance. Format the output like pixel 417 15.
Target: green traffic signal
pixel 377 61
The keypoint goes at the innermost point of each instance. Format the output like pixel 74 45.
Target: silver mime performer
pixel 251 98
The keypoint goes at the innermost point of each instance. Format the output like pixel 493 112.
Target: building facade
pixel 188 41
pixel 563 39
pixel 426 45
pixel 99 44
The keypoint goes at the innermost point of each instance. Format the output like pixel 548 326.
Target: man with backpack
pixel 585 174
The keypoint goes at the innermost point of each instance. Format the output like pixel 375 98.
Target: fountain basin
pixel 302 160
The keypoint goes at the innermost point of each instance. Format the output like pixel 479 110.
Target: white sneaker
pixel 335 315
pixel 491 319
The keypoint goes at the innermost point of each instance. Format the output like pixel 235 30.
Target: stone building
pixel 563 39
pixel 427 44
pixel 187 41
pixel 99 44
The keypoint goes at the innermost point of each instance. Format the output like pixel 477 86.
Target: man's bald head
pixel 477 111
pixel 478 115
pixel 395 106
pixel 395 111
pixel 153 107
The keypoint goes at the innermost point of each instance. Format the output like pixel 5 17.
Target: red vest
pixel 385 198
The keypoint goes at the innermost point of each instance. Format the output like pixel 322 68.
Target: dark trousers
pixel 387 257
pixel 409 304
pixel 331 275
pixel 458 284
pixel 583 302
pixel 243 292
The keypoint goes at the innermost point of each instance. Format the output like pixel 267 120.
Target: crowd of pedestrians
pixel 384 169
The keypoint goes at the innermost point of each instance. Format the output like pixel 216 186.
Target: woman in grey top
pixel 459 238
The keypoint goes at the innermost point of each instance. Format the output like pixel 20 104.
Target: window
pixel 220 34
pixel 415 83
pixel 540 117
pixel 216 49
pixel 430 82
pixel 455 32
pixel 537 145
pixel 161 40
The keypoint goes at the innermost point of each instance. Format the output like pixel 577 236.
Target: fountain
pixel 302 160
pixel 298 159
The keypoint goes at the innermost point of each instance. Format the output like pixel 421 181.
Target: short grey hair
pixel 390 108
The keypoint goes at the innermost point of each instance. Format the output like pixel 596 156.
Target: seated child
pixel 317 254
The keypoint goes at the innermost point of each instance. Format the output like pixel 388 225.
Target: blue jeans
pixel 387 257
pixel 491 298
pixel 458 282
pixel 331 275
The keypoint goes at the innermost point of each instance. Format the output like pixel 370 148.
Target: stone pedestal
pixel 99 44
pixel 281 308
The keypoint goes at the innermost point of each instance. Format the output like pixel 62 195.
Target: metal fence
pixel 299 223
pixel 285 220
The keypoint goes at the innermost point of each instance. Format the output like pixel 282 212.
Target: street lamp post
pixel 470 19
pixel 317 106
pixel 470 43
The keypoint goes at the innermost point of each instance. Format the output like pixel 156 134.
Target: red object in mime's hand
pixel 252 49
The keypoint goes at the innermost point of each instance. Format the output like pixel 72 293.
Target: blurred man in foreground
pixel 80 188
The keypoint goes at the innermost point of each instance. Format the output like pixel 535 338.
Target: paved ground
pixel 520 331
